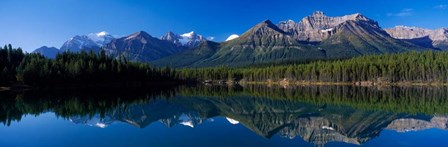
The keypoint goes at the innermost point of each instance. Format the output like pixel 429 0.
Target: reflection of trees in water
pixel 318 114
pixel 415 100
pixel 67 103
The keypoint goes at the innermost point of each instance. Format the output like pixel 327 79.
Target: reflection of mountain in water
pixel 267 117
pixel 141 115
pixel 411 124
pixel 96 121
pixel 317 114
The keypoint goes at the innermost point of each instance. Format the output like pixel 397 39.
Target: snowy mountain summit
pixel 189 40
pixel 92 41
pixel 101 38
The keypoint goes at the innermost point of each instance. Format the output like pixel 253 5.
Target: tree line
pixel 428 66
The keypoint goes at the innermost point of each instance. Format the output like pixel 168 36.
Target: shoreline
pixel 281 83
pixel 371 84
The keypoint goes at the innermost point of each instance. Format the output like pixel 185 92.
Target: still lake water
pixel 227 116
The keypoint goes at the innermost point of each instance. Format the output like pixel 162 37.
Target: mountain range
pixel 315 37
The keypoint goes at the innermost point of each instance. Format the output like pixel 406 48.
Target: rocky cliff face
pixel 404 32
pixel 421 36
pixel 318 27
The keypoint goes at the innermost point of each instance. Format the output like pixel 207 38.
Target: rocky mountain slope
pixel 318 27
pixel 421 36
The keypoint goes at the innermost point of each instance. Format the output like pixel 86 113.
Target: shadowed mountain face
pixel 140 46
pixel 317 114
pixel 49 52
pixel 188 57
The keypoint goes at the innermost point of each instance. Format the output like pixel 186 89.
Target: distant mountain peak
pixel 189 35
pixel 318 13
pixel 102 33
pixel 101 38
pixel 189 40
pixel 49 52
pixel 170 36
pixel 92 41
pixel 139 34
pixel 266 24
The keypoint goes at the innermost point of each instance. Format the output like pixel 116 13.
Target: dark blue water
pixel 220 117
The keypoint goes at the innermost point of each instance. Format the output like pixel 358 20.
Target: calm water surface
pixel 227 116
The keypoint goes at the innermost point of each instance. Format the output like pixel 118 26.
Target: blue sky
pixel 34 23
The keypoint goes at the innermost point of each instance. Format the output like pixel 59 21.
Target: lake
pixel 250 115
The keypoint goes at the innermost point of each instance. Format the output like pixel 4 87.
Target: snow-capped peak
pixel 103 33
pixel 100 38
pixel 231 37
pixel 189 35
pixel 189 40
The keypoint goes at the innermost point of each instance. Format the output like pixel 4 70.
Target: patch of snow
pixel 327 30
pixel 328 128
pixel 189 35
pixel 103 33
pixel 232 121
pixel 231 37
pixel 100 38
pixel 101 125
pixel 187 123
